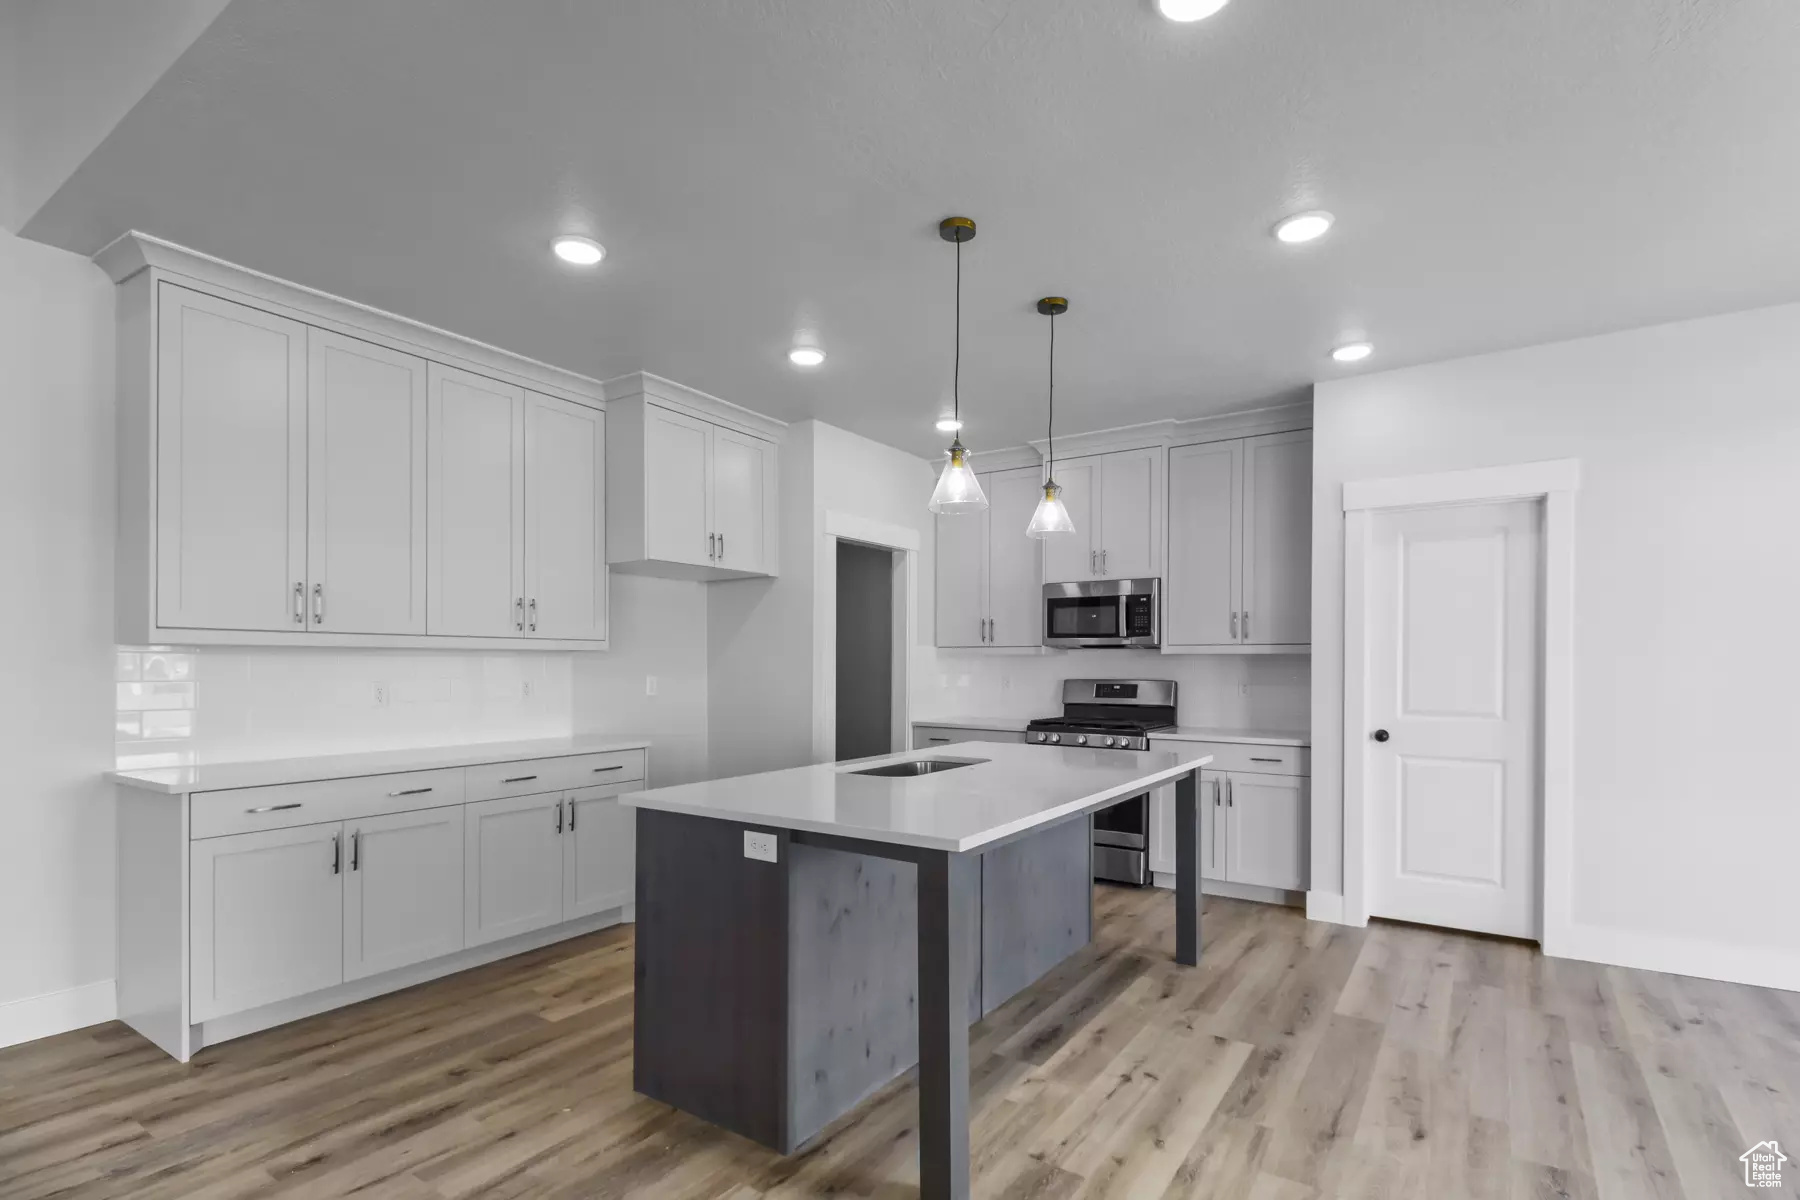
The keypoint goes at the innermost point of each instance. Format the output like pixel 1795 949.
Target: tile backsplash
pixel 218 705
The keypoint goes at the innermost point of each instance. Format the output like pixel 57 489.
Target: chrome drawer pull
pixel 620 767
pixel 410 792
pixel 1255 759
pixel 519 779
pixel 273 808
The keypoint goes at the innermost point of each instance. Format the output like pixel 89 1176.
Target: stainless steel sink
pixel 919 766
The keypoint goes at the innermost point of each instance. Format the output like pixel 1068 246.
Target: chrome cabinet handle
pixel 318 604
pixel 571 816
pixel 620 767
pixel 721 547
pixel 1228 796
pixel 356 850
pixel 1216 790
pixel 519 779
pixel 1246 624
pixel 533 608
pixel 273 808
pixel 932 739
pixel 299 604
pixel 559 816
pixel 519 614
pixel 712 545
pixel 1103 562
pixel 1253 758
pixel 1093 562
pixel 337 853
pixel 1234 636
pixel 410 792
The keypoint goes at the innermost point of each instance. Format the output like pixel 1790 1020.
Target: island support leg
pixel 1187 869
pixel 949 894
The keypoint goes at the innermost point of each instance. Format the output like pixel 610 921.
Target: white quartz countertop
pixel 1014 788
pixel 1179 733
pixel 213 777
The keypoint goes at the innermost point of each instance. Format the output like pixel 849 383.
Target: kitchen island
pixel 804 936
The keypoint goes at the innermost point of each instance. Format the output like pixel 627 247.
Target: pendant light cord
pixel 1050 421
pixel 956 367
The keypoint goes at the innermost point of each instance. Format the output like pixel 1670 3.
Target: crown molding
pixel 696 403
pixel 133 253
pixel 1280 418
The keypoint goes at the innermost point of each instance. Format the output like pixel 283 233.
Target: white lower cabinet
pixel 403 891
pixel 512 866
pixel 599 851
pixel 1252 829
pixel 267 917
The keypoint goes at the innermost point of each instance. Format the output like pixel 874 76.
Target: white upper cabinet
pixel 565 520
pixel 1240 545
pixel 230 466
pixel 691 483
pixel 989 573
pixel 296 470
pixel 365 491
pixel 1115 502
pixel 477 506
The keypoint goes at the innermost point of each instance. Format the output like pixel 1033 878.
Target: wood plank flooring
pixel 1298 1062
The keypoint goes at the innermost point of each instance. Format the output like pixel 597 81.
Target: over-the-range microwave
pixel 1103 612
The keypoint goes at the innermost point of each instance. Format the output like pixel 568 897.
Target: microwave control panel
pixel 1140 616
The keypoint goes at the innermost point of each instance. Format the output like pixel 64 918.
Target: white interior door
pixel 742 471
pixel 1277 605
pixel 366 497
pixel 677 487
pixel 1015 587
pixel 1201 600
pixel 1070 557
pixel 476 506
pixel 267 917
pixel 1453 604
pixel 403 890
pixel 1130 538
pixel 599 851
pixel 565 519
pixel 962 576
pixel 230 465
pixel 512 866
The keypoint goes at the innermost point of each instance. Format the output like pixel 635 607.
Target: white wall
pixel 9 117
pixel 1686 642
pixel 659 628
pixel 56 537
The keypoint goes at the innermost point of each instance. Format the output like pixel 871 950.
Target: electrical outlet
pixel 525 689
pixel 649 685
pixel 381 695
pixel 759 846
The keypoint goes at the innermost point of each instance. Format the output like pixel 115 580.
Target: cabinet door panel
pixel 1204 519
pixel 743 471
pixel 403 890
pixel 1278 539
pixel 476 510
pixel 962 577
pixel 1130 514
pixel 677 486
pixel 1068 557
pixel 565 519
pixel 366 492
pixel 230 464
pixel 1265 841
pixel 267 914
pixel 599 852
pixel 1015 562
pixel 1162 828
pixel 512 866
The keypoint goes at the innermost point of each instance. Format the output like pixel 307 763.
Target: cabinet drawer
pixel 248 810
pixel 1235 756
pixel 494 780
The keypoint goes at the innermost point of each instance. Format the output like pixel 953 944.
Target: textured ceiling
pixel 1503 172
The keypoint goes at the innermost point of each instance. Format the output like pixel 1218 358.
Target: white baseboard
pixel 58 1012
pixel 1234 891
pixel 1325 906
pixel 1761 967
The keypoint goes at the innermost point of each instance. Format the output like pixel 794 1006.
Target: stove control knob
pixel 1056 737
pixel 1042 737
pixel 1109 742
pixel 1082 740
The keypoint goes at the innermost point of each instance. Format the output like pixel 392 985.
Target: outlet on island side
pixel 759 845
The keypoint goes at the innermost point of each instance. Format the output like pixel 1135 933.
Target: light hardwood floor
pixel 1298 1062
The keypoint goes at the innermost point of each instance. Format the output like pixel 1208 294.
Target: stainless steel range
pixel 1113 714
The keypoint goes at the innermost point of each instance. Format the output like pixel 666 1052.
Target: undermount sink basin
pixel 919 766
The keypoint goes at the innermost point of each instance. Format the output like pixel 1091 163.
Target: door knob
pixel 1380 735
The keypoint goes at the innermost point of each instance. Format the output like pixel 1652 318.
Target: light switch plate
pixel 759 845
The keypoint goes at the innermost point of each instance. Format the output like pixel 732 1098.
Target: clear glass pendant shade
pixel 958 491
pixel 1051 515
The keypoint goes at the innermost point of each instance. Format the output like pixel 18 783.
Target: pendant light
pixel 958 491
pixel 1052 516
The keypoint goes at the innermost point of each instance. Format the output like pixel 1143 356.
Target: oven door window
pixel 1080 617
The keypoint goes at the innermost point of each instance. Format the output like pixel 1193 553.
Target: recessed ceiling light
pixel 949 425
pixel 1303 227
pixel 1351 352
pixel 1189 10
pixel 582 251
pixel 806 356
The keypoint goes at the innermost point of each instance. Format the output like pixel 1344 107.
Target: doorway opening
pixel 865 650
